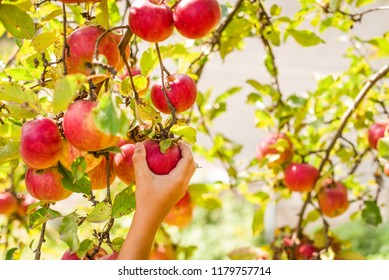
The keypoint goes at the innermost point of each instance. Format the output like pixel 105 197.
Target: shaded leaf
pixel 41 216
pixel 70 183
pixel 124 203
pixel 100 213
pixel 68 231
pixel 66 91
pixel 371 213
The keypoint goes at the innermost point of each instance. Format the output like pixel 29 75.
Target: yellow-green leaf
pixel 66 90
pixel 102 14
pixel 17 22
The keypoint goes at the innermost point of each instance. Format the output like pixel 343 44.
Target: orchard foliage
pixel 326 127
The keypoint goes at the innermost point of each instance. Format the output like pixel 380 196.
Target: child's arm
pixel 155 196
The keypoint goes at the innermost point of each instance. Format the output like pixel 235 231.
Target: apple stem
pixel 163 71
pixel 65 48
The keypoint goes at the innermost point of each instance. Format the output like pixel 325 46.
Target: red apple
pixel 122 142
pixel 24 202
pixel 122 164
pixel 46 185
pixel 80 129
pixel 70 153
pixel 275 146
pixel 300 177
pixel 110 256
pixel 8 203
pixel 181 214
pixel 98 175
pixel 68 255
pixel 386 168
pixel 163 252
pixel 82 43
pixel 375 132
pixel 158 162
pixel 196 18
pixel 305 251
pixel 332 197
pixel 151 20
pixel 41 143
pixel 181 90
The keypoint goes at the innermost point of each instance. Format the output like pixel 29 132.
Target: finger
pixel 185 150
pixel 186 165
pixel 139 159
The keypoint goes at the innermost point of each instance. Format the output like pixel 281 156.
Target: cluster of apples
pixel 278 149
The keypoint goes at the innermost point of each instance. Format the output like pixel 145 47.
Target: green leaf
pixel 68 231
pixel 371 213
pixel 66 91
pixel 102 14
pixel 140 83
pixel 275 10
pixel 41 216
pixel 10 253
pixel 70 183
pixel 78 168
pixel 165 144
pixel 202 196
pixel 257 225
pixel 305 38
pixel 17 74
pixel 361 3
pixel 17 22
pixel 110 118
pixel 117 244
pixel 100 213
pixel 312 216
pixel 9 151
pixel 148 61
pixel 187 133
pixel 124 203
pixel 44 40
pixel 383 147
pixel 84 247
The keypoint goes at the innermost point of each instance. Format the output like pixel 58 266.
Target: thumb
pixel 139 160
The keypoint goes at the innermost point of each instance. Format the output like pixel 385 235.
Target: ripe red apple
pixel 300 177
pixel 82 43
pixel 276 145
pixel 46 185
pixel 8 203
pixel 305 251
pixel 41 143
pixel 158 162
pixel 80 129
pixel 151 20
pixel 122 164
pixel 123 141
pixel 181 90
pixel 111 256
pixel 24 202
pixel 163 252
pixel 375 132
pixel 181 214
pixel 98 175
pixel 332 197
pixel 196 18
pixel 70 153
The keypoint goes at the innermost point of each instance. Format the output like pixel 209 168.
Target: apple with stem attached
pixel 122 164
pixel 194 19
pixel 80 129
pixel 151 20
pixel 375 132
pixel 158 162
pixel 180 89
pixel 82 43
pixel 300 177
pixel 46 185
pixel 276 148
pixel 8 203
pixel 332 197
pixel 41 143
pixel 182 212
pixel 98 175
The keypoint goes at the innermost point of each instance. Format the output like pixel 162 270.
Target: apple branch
pixel 381 73
pixel 108 180
pixel 356 17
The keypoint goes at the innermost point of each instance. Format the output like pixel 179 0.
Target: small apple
pixel 332 197
pixel 300 177
pixel 41 143
pixel 98 175
pixel 305 251
pixel 24 202
pixel 68 255
pixel 80 129
pixel 151 20
pixel 158 162
pixel 122 164
pixel 70 153
pixel 194 19
pixel 8 203
pixel 277 147
pixel 375 132
pixel 182 212
pixel 82 42
pixel 46 185
pixel 180 89
pixel 163 252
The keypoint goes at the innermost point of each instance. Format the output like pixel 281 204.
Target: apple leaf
pixel 145 112
pixel 17 22
pixel 9 151
pixel 44 40
pixel 202 196
pixel 78 168
pixel 84 247
pixel 10 253
pixel 361 3
pixel 305 38
pixel 148 61
pixel 187 133
pixel 258 225
pixel 100 213
pixel 42 215
pixel 124 203
pixel 68 231
pixel 371 213
pixel 66 91
pixel 383 148
pixel 164 145
pixel 110 118
pixel 70 183
pixel 117 244
pixel 17 74
pixel 140 83
pixel 312 216
pixel 102 14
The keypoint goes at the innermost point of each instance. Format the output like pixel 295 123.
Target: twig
pixel 38 249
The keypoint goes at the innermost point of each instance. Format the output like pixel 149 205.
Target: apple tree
pixel 83 80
